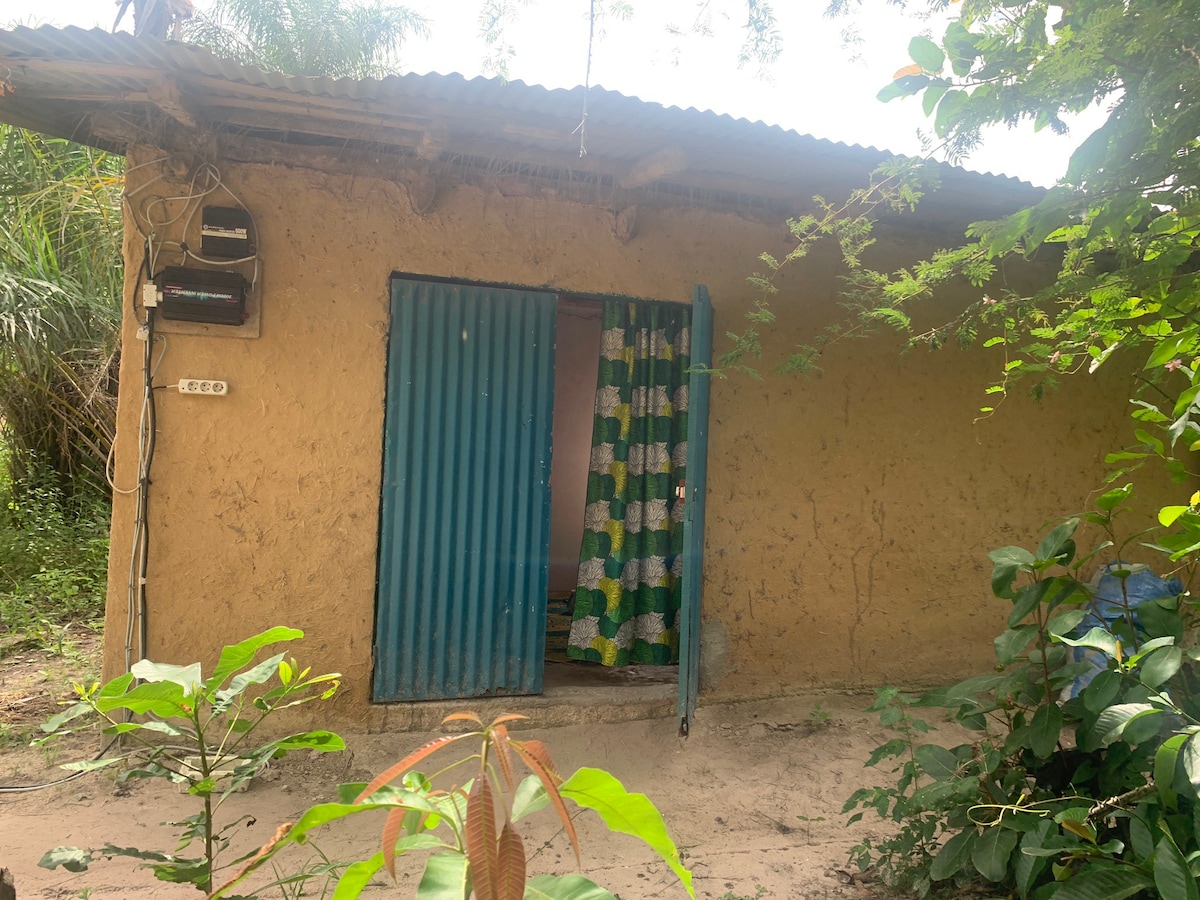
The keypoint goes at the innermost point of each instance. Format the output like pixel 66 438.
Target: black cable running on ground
pixel 27 788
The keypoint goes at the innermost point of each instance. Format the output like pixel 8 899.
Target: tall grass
pixel 60 290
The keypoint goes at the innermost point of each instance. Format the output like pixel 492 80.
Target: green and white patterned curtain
pixel 628 598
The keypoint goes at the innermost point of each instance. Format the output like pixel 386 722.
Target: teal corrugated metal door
pixel 699 389
pixel 465 516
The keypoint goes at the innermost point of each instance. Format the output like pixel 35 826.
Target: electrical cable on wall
pixel 139 554
pixel 153 217
pixel 153 245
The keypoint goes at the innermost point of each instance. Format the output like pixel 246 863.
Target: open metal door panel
pixel 465 512
pixel 699 389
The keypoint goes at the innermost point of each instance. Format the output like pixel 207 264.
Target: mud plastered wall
pixel 849 514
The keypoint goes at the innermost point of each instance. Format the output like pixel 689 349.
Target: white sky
pixel 815 87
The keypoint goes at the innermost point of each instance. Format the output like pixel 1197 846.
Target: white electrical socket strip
pixel 208 386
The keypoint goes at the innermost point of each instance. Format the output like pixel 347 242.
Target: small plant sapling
pixel 196 732
pixel 470 829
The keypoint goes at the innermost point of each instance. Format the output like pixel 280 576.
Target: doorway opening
pixel 577 357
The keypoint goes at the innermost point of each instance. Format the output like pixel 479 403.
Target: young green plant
pixel 196 732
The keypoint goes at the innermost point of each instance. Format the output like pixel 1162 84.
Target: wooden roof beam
pixel 164 93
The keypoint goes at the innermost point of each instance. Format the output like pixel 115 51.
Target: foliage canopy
pixel 1121 225
pixel 334 38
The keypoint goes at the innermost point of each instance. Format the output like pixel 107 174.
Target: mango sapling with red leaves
pixel 470 829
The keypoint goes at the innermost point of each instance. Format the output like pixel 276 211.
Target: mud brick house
pixel 453 400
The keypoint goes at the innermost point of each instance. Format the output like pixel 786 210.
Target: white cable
pixel 161 354
pixel 110 475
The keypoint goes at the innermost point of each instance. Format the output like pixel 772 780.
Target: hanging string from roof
pixel 581 128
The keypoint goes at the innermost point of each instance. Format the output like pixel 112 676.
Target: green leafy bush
pixel 53 559
pixel 1069 792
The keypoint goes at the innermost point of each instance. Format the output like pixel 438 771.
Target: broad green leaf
pixel 961 694
pixel 1147 647
pixel 1065 622
pixel 164 699
pixel 1044 730
pixel 1007 562
pixel 1102 691
pixel 953 855
pixel 446 877
pixel 1013 642
pixel 1161 619
pixel 182 871
pixel 530 797
pixel 356 877
pixel 1166 760
pixel 1160 666
pixel 258 674
pixel 1114 498
pixel 1097 639
pixel 1167 349
pixel 564 887
pixel 626 813
pixel 152 725
pixel 1191 762
pixel 71 713
pixel 1027 600
pixel 991 852
pixel 1168 514
pixel 1172 877
pixel 321 741
pixel 936 762
pixel 187 677
pixel 1027 866
pixel 1141 841
pixel 324 813
pixel 1095 883
pixel 118 686
pixel 948 108
pixel 239 655
pixel 1112 721
pixel 933 94
pixel 901 87
pixel 926 54
pixel 1056 543
pixel 1143 728
pixel 70 858
pixel 961 46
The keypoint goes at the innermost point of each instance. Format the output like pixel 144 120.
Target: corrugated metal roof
pixel 123 49
pixel 57 77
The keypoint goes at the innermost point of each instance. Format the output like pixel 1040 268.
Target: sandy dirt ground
pixel 753 798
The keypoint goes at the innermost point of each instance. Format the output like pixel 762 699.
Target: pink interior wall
pixel 577 356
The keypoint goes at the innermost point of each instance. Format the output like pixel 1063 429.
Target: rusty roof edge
pixel 103 48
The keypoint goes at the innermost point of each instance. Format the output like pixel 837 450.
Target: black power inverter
pixel 198 295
